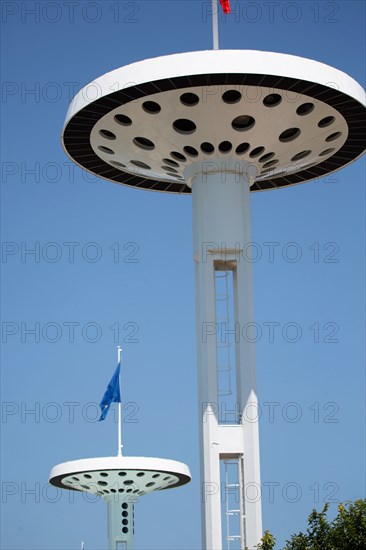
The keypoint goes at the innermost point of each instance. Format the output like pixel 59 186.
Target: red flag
pixel 225 4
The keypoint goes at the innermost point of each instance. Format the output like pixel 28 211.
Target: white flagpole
pixel 119 351
pixel 215 24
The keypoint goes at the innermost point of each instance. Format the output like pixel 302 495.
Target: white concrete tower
pixel 220 124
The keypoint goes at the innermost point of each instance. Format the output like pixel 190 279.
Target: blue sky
pixel 114 265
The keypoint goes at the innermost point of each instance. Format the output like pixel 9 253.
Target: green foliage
pixel 267 541
pixel 346 532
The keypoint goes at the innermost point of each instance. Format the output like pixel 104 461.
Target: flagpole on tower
pixel 215 24
pixel 119 351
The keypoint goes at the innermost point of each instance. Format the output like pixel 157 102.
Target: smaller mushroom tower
pixel 121 481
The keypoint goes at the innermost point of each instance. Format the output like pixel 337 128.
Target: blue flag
pixel 112 394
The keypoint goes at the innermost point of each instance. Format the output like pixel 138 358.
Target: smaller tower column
pixel 121 528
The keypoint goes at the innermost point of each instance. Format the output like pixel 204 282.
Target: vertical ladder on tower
pixel 235 516
pixel 223 319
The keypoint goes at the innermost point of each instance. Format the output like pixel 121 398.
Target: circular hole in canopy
pixel 150 484
pixel 170 169
pixel 125 505
pixel 144 143
pixel 140 164
pixel 123 120
pixel 128 482
pixel 113 491
pixel 87 476
pixel 155 476
pixel 231 96
pixel 107 134
pixel 289 135
pixel 106 492
pixel 225 146
pixel 326 152
pixel 85 487
pixel 103 474
pixel 75 478
pixel 334 136
pixel 121 490
pixel 189 99
pixel 191 151
pixel 178 156
pixel 267 156
pixel 124 529
pixel 301 155
pixel 122 474
pixel 272 100
pixel 102 483
pixel 151 107
pixel 256 152
pixel 171 162
pixel 140 474
pixel 129 491
pixel 166 478
pixel 207 147
pixel 327 121
pixel 118 164
pixel 125 514
pixel 184 126
pixel 243 122
pixel 270 163
pixel 305 109
pixel 105 149
pixel 242 148
pixel 125 521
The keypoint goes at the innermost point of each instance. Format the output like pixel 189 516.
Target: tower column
pixel 120 523
pixel 221 229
